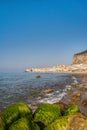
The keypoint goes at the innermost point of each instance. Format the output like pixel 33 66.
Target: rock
pixel 23 124
pixel 59 124
pixel 76 97
pixel 38 76
pixel 16 111
pixel 62 105
pixel 71 122
pixel 48 91
pixel 84 103
pixel 80 58
pixel 46 117
pixel 77 122
pixel 47 113
pixel 71 110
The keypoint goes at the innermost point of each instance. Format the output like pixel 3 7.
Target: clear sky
pixel 41 33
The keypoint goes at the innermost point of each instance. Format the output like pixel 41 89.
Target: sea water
pixel 26 87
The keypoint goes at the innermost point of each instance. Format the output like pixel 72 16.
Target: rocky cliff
pixel 80 58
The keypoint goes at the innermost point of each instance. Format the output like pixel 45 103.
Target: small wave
pixel 54 96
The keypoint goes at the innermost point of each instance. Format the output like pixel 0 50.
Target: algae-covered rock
pixel 34 126
pixel 58 124
pixel 10 115
pixel 47 113
pixel 23 124
pixel 2 124
pixel 16 111
pixel 70 122
pixel 24 110
pixel 72 110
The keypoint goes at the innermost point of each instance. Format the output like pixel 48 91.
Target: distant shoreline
pixel 71 69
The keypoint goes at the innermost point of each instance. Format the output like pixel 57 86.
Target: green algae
pixel 24 110
pixel 16 111
pixel 72 110
pixel 2 124
pixel 23 124
pixel 58 124
pixel 47 113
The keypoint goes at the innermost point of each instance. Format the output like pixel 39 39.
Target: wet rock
pixel 76 97
pixel 77 122
pixel 62 105
pixel 84 103
pixel 38 76
pixel 56 85
pixel 48 91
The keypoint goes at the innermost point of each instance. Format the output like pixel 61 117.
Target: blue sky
pixel 41 33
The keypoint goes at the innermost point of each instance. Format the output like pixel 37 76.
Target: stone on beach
pixel 48 91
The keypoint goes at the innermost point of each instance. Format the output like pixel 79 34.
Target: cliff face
pixel 80 58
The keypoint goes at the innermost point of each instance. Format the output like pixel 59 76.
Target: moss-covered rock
pixel 2 124
pixel 16 111
pixel 34 126
pixel 24 110
pixel 59 124
pixel 23 124
pixel 72 110
pixel 47 113
pixel 70 122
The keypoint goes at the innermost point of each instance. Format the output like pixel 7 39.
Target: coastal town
pixel 79 65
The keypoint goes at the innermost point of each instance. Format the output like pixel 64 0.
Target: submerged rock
pixel 38 76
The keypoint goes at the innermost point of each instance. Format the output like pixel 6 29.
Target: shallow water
pixel 16 87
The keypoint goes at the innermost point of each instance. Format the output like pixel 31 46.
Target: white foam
pixel 75 80
pixel 52 99
pixel 54 96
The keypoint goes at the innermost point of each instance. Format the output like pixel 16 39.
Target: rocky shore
pixel 74 68
pixel 70 113
pixel 79 65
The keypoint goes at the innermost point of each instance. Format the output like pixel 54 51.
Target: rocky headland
pixel 79 65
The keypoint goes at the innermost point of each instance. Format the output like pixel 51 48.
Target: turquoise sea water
pixel 16 87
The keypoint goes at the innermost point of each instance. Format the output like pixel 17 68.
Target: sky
pixel 41 33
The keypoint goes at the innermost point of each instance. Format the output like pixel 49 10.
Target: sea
pixel 30 87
